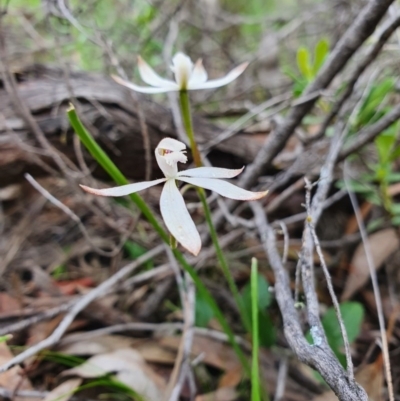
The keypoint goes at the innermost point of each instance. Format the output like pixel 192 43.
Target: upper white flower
pixel 173 209
pixel 187 76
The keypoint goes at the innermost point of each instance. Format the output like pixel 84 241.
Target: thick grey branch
pixel 319 357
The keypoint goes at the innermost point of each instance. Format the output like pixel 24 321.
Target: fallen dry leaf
pixel 14 378
pixel 153 351
pixel 231 377
pixel 129 368
pixel 64 391
pixel 222 394
pixel 381 244
pixel 9 304
pixel 71 287
pixel 370 377
pixel 215 353
pixel 42 330
pixel 74 344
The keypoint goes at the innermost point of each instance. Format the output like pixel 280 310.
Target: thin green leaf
pixel 255 374
pixel 303 63
pixel 321 51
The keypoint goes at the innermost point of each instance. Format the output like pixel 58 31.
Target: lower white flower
pixel 173 209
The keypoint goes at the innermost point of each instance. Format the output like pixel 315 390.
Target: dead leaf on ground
pixel 42 330
pixel 64 391
pixel 381 244
pixel 215 353
pixel 153 351
pixel 231 378
pixel 129 368
pixel 222 394
pixel 94 346
pixel 352 225
pixel 71 287
pixel 9 304
pixel 370 377
pixel 14 378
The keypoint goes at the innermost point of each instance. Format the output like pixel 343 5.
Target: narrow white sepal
pixel 177 218
pixel 216 83
pixel 124 189
pixel 210 172
pixel 152 78
pixel 199 74
pixel 224 188
pixel 144 89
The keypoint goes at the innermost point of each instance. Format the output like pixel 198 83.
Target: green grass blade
pixel 255 374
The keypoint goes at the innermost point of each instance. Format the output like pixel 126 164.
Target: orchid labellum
pixel 188 76
pixel 173 209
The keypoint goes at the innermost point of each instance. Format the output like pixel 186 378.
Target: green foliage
pixel 255 309
pixel 59 272
pixel 307 67
pixel 135 250
pixel 352 314
pixel 267 334
pixel 5 338
pixel 62 359
pixel 204 312
pixel 373 106
pixel 374 184
pixel 107 381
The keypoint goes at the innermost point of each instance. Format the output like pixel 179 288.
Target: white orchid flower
pixel 173 209
pixel 187 76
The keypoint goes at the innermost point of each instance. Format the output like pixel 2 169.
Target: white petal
pixel 152 78
pixel 224 188
pixel 177 218
pixel 144 89
pixel 182 67
pixel 199 74
pixel 124 189
pixel 168 153
pixel 210 172
pixel 216 83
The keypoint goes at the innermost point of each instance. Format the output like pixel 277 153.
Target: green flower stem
pixel 113 171
pixel 188 124
pixel 187 121
pixel 255 375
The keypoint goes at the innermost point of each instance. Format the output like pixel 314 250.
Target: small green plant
pixel 307 67
pixel 135 250
pixel 204 313
pixel 374 105
pixel 374 185
pixel 352 314
pixel 267 333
